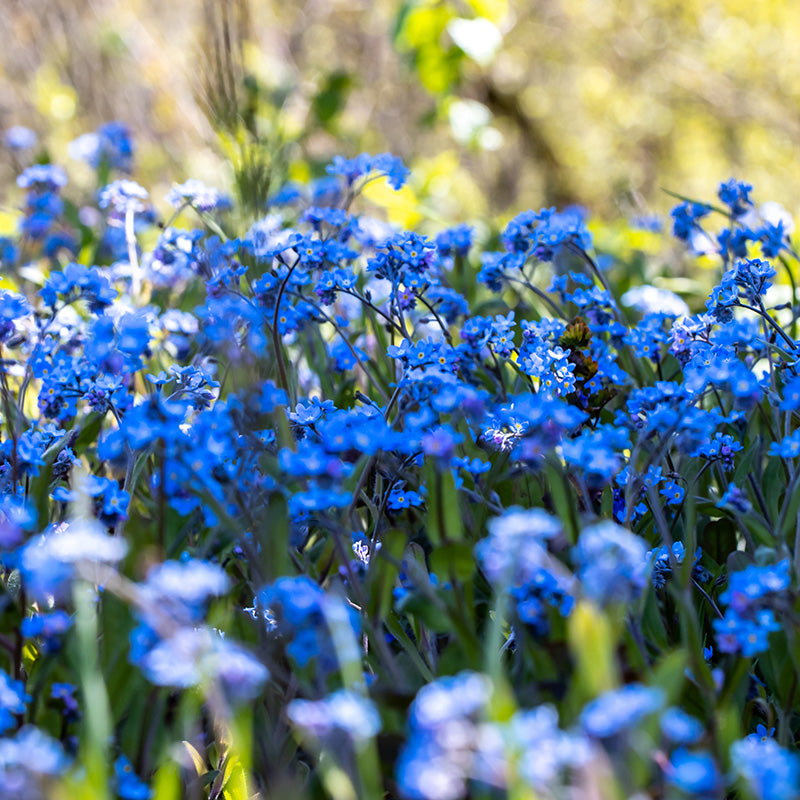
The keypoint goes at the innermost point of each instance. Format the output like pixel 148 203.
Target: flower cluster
pixel 749 619
pixel 310 493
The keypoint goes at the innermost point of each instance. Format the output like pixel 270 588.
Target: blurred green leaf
pixel 670 674
pixel 167 782
pixel 454 559
pixel 718 539
pixel 330 99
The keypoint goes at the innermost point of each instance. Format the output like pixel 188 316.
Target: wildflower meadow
pixel 312 506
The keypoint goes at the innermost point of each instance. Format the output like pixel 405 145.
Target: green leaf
pixel 745 466
pixel 653 627
pixel 718 539
pixel 790 515
pixel 40 485
pixel 330 100
pixel 670 674
pixel 383 572
pixel 274 537
pixel 607 503
pixel 167 781
pixel 96 723
pixel 232 780
pixel 778 662
pixel 756 524
pixel 395 627
pixel 564 501
pixel 737 561
pixel 89 431
pixel 444 514
pixel 197 760
pixel 593 646
pixel 773 486
pixel 432 615
pixel 454 559
pixel 729 726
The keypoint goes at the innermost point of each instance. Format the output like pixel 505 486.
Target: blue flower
pixel 513 552
pixel 693 773
pixel 747 635
pixel 754 582
pixel 455 241
pixel 400 497
pixel 774 238
pixel 788 447
pixel 18 137
pixel 440 443
pixel 684 218
pixel 762 733
pixel 771 772
pixel 612 563
pixel 680 727
pixel 190 582
pixel 299 606
pixel 662 563
pixel 195 656
pixel 48 626
pixel 65 693
pixel 198 195
pixel 736 195
pixel 48 561
pixel 13 700
pixel 363 165
pixel 133 331
pixel 343 711
pixel 673 492
pixel 735 499
pixel 620 710
pixel 111 143
pixel 26 757
pixel 129 785
pixel 597 452
pixel 47 177
pixel 449 698
pixel 122 195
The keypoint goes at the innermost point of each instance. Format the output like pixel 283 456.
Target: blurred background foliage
pixel 498 105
